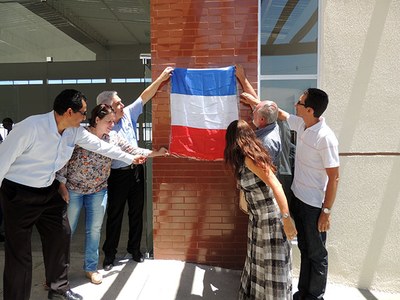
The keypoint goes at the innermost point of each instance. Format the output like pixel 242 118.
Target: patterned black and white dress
pixel 267 272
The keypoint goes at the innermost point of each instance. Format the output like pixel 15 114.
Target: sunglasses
pixel 299 103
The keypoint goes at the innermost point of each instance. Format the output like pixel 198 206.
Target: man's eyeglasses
pixel 83 113
pixel 299 103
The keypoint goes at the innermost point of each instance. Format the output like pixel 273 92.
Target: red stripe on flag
pixel 207 144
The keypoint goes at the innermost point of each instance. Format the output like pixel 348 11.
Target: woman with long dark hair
pixel 267 269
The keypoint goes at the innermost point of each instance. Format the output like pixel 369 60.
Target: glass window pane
pixel 82 81
pixel 289 37
pixel 54 81
pixel 69 81
pixel 134 80
pixel 118 80
pixel 98 81
pixel 20 82
pixel 285 92
pixel 35 81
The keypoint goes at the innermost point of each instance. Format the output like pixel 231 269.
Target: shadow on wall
pixel 367 294
pixel 352 117
pixel 363 73
pixel 382 226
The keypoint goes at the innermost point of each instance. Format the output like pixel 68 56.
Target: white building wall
pixel 360 70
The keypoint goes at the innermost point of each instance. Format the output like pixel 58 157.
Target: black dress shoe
pixel 298 295
pixel 108 263
pixel 68 295
pixel 137 256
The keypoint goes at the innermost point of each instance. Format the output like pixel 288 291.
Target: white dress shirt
pixel 34 150
pixel 3 134
pixel 316 150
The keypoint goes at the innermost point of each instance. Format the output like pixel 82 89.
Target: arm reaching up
pixel 151 90
pixel 283 115
pixel 249 99
pixel 270 179
pixel 244 82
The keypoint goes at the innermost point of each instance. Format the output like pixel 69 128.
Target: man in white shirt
pixel 7 127
pixel 33 152
pixel 315 183
pixel 3 134
pixel 4 131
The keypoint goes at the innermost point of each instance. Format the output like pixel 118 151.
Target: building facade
pixel 196 217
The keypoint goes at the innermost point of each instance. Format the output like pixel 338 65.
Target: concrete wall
pixel 20 101
pixel 360 72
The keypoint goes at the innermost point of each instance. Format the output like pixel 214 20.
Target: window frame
pixel 316 76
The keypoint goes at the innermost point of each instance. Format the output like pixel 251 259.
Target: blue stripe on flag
pixel 204 82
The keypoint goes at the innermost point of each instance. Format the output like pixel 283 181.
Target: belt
pixel 130 167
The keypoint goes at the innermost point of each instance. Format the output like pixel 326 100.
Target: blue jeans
pixel 95 208
pixel 314 256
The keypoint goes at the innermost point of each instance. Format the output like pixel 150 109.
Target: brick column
pixel 196 215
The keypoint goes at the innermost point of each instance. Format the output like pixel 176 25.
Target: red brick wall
pixel 196 215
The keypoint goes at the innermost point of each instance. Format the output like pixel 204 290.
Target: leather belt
pixel 130 167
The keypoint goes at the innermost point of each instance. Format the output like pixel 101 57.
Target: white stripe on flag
pixel 209 112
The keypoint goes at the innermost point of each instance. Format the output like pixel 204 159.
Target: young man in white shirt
pixel 315 183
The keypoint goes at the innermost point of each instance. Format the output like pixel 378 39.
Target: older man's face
pixel 118 107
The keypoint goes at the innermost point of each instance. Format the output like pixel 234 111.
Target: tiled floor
pixel 158 279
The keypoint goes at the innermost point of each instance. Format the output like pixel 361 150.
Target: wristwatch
pixel 285 215
pixel 326 210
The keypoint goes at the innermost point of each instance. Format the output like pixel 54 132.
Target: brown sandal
pixel 95 277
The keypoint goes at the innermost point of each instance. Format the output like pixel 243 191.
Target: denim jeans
pixel 95 208
pixel 314 256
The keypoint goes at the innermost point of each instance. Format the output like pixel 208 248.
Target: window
pixel 288 49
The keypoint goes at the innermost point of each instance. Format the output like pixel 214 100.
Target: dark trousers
pixel 124 186
pixel 1 215
pixel 23 208
pixel 314 256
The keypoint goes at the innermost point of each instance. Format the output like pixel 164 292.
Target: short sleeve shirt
pixel 126 127
pixel 316 150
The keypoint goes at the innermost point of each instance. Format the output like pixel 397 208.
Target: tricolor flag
pixel 203 103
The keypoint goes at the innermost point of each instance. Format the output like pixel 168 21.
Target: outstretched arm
pixel 151 90
pixel 269 178
pixel 249 95
pixel 249 99
pixel 244 82
pixel 146 152
pixel 283 115
pixel 160 152
pixel 125 146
